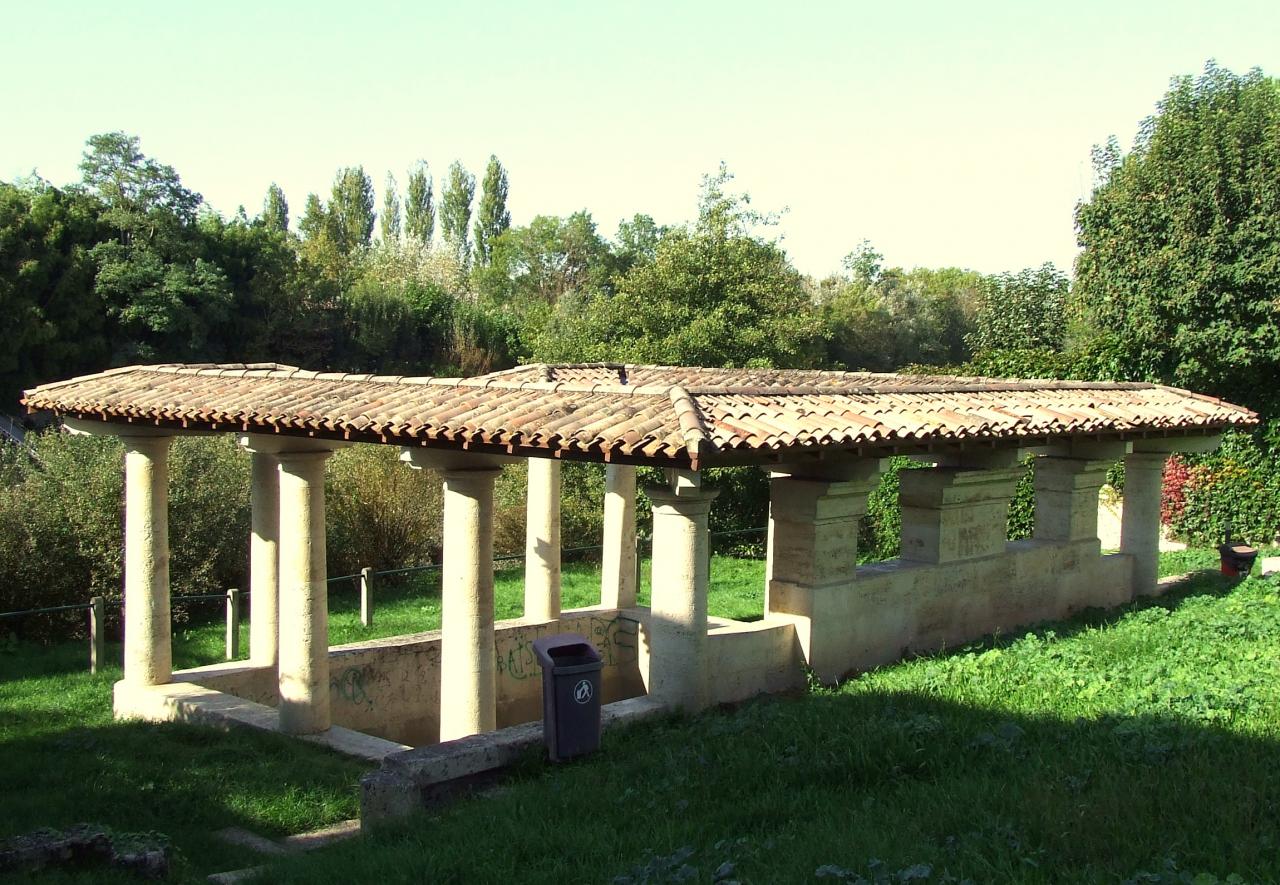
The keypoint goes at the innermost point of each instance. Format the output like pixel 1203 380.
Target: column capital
pixel 274 444
pixel 152 445
pixel 687 502
pixel 460 478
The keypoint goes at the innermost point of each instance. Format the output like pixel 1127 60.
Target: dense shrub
pixel 379 512
pixel 581 507
pixel 61 523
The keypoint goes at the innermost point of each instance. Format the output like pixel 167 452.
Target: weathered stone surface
pixel 87 846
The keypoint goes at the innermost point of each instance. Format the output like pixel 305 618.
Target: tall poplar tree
pixel 315 220
pixel 419 206
pixel 390 211
pixel 351 214
pixel 455 211
pixel 275 209
pixel 492 217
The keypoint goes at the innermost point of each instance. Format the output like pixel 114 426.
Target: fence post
pixel 637 541
pixel 233 624
pixel 366 596
pixel 97 633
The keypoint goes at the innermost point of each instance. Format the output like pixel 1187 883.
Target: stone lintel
pixel 1172 444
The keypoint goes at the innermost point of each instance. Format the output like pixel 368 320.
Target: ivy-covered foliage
pixel 1237 486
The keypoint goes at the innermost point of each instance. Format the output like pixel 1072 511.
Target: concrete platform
pixel 186 702
pixel 411 780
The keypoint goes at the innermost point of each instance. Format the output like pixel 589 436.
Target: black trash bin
pixel 570 694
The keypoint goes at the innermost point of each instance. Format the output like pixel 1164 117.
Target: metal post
pixel 233 624
pixel 97 633
pixel 366 596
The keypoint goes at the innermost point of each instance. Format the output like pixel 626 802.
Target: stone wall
pixel 391 687
pixel 897 608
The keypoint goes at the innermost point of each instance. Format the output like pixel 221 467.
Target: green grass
pixel 412 604
pixel 1137 746
pixel 1100 750
pixel 64 760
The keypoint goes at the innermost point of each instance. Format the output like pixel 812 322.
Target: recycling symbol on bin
pixel 582 691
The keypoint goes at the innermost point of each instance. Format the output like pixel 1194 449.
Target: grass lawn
pixel 1128 747
pixel 411 604
pixel 1141 746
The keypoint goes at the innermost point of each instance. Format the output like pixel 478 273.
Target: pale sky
pixel 946 133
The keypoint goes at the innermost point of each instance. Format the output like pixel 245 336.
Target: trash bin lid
pixel 564 648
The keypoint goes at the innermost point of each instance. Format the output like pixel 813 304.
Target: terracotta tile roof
pixel 648 414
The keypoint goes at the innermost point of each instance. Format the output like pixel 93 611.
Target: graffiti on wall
pixel 614 637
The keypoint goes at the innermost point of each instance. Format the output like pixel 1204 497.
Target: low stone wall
pixel 897 608
pixel 391 687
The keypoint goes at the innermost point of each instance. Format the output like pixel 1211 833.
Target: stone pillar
pixel 1067 498
pixel 264 561
pixel 1140 518
pixel 542 541
pixel 618 558
pixel 304 597
pixel 955 513
pixel 468 680
pixel 148 651
pixel 813 559
pixel 678 614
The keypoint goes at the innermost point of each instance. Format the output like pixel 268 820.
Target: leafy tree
pixel 547 259
pixel 350 212
pixel 1023 310
pixel 1180 268
pixel 136 189
pixel 55 324
pixel 715 294
pixel 275 209
pixel 455 211
pixel 492 217
pixel 315 219
pixel 419 209
pixel 391 211
pixel 637 240
pixel 169 301
pixel 882 319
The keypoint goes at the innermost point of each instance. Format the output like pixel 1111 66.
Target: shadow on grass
pixel 780 789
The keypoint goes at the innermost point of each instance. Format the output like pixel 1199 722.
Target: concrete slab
pixel 408 780
pixel 186 702
pixel 246 839
pixel 233 877
pixel 1270 566
pixel 346 829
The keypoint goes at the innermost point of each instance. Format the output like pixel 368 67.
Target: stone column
pixel 148 651
pixel 955 513
pixel 678 614
pixel 1140 518
pixel 468 681
pixel 264 561
pixel 304 597
pixel 618 558
pixel 542 541
pixel 1067 498
pixel 813 559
